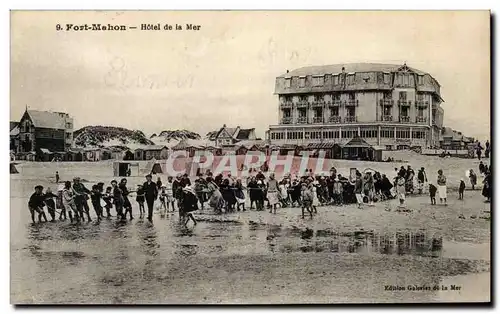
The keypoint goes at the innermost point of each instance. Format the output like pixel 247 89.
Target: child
pixel 51 205
pixel 432 193
pixel 107 199
pixel 189 203
pixel 68 200
pixel 283 193
pixel 118 200
pixel 170 193
pixel 59 202
pixel 306 200
pixel 95 197
pixel 163 197
pixel 461 190
pixel 240 196
pixel 36 203
pixel 401 189
pixel 140 200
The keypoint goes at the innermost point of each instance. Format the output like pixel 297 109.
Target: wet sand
pixel 343 254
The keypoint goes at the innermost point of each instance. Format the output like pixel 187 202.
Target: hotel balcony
pixel 386 102
pixel 404 103
pixel 286 104
pixel 351 119
pixel 387 118
pixel 352 102
pixel 286 120
pixel 318 119
pixel 302 104
pixel 318 103
pixel 335 119
pixel 302 120
pixel 421 119
pixel 404 119
pixel 421 103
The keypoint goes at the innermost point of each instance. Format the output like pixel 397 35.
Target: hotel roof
pixel 349 68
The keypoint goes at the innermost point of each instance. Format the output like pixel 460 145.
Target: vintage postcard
pixel 250 157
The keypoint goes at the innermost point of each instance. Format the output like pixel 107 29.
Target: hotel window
pixel 350 79
pixel 68 125
pixel 318 97
pixel 402 133
pixel 287 113
pixel 420 79
pixel 406 79
pixel 302 81
pixel 420 112
pixel 336 97
pixel 387 78
pixel 351 111
pixel 288 82
pixel 418 134
pixel 420 97
pixel 303 98
pixel 403 111
pixel 387 133
pixel 318 112
pixel 388 95
pixel 402 95
pixel 331 134
pixel 316 135
pixel 335 80
pixel 387 110
pixel 368 133
pixel 288 98
pixel 318 80
pixel 349 133
pixel 334 111
pixel 352 96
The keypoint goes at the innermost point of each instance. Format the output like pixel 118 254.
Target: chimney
pixel 224 125
pixel 287 71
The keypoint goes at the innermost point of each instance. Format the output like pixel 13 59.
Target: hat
pixel 38 187
pixel 149 175
pixel 76 178
pixel 188 189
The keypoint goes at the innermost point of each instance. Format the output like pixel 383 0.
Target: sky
pixel 224 73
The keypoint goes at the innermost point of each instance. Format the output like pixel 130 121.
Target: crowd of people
pixel 224 193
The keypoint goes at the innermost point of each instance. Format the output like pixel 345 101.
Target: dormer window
pixel 302 81
pixel 288 82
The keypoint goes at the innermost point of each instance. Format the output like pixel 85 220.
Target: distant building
pixel 229 137
pixel 51 131
pixel 394 106
pixel 151 152
pixel 453 139
pixel 14 135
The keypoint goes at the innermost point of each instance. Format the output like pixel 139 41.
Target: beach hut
pixel 13 169
pixel 359 149
pixel 331 150
pixel 121 168
pixel 128 155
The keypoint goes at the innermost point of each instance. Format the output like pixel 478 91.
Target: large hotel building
pixel 394 106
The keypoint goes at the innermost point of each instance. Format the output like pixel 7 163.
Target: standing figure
pixel 169 187
pixel 487 150
pixel 461 190
pixel 252 191
pixel 441 181
pixel 150 193
pixel 36 203
pixel 421 178
pixel 127 206
pixel 140 200
pixel 51 205
pixel 272 193
pixel 81 193
pixel 96 196
pixel 479 150
pixel 432 193
pixel 214 195
pixel 358 189
pixel 472 178
pixel 200 185
pixel 57 176
pixel 239 194
pixel 307 199
pixel 118 200
pixel 107 196
pixel 401 190
pixel 69 204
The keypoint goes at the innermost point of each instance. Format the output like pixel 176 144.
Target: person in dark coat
pixel 127 206
pixel 118 200
pixel 36 203
pixel 185 181
pixel 158 183
pixel 252 191
pixel 96 201
pixel 81 196
pixel 51 205
pixel 189 203
pixel 150 194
